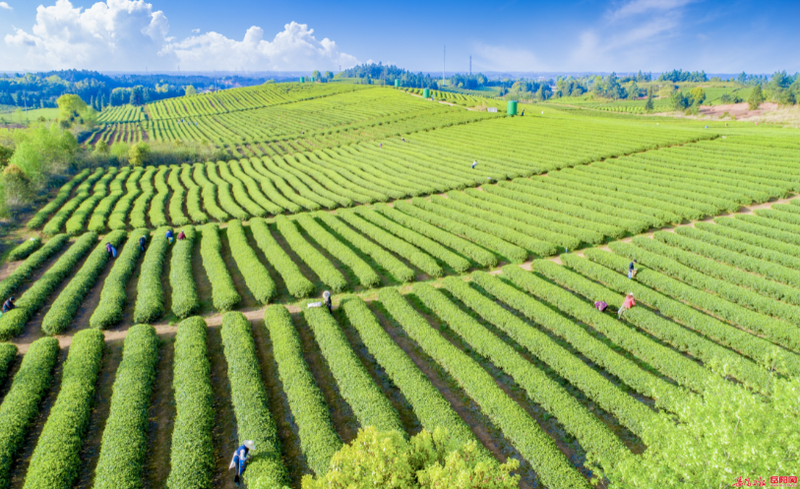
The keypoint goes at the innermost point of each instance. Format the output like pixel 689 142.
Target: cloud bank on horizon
pixel 125 35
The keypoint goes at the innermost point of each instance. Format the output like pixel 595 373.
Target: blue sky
pixel 532 36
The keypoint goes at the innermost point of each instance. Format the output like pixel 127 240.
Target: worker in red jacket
pixel 627 304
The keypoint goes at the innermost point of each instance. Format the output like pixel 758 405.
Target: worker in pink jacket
pixel 627 304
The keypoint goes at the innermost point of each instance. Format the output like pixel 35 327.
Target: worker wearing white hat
pixel 239 461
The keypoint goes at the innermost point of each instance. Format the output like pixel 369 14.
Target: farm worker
pixel 523 113
pixel 142 242
pixel 108 249
pixel 632 269
pixel 239 461
pixel 404 140
pixel 627 304
pixel 181 236
pixel 474 164
pixel 8 304
pixel 381 146
pixel 169 235
pixel 600 306
pixel 113 251
pixel 327 297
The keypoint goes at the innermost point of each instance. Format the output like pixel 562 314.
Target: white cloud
pixel 6 6
pixel 129 35
pixel 630 36
pixel 501 58
pixel 294 48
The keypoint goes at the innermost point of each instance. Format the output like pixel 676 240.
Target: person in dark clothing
pixel 632 269
pixel 170 235
pixel 8 304
pixel 239 461
pixel 181 236
pixel 142 242
pixel 326 296
pixel 108 249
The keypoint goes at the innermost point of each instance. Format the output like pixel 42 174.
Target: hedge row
pixel 54 205
pixel 8 353
pixel 366 275
pixel 757 348
pixel 592 434
pixel 268 188
pixel 22 402
pixel 666 394
pixel 223 190
pixel 140 205
pixel 297 285
pixel 453 260
pixel 318 439
pixel 176 215
pixel 732 287
pixel 470 250
pixel 252 189
pixel 255 274
pixel 771 228
pixel 320 265
pixel 119 216
pixel 75 223
pixel 382 257
pixel 181 277
pixel 25 249
pixel 680 338
pixel 158 206
pixel 758 244
pixel 223 291
pixel 368 403
pixel 588 230
pixel 414 255
pixel 560 233
pixel 667 361
pixel 31 264
pixel 64 309
pixel 124 444
pixel 240 193
pixel 253 419
pixel 56 222
pixel 56 460
pixel 193 196
pixel 97 222
pixel 430 407
pixel 209 193
pixel 552 467
pixel 149 291
pixel 689 241
pixel 34 298
pixel 114 295
pixel 511 251
pixel 192 458
pixel 628 411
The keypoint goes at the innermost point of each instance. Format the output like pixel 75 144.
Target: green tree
pixel 426 461
pixel 328 76
pixel 137 95
pixel 101 147
pixel 190 90
pixel 315 75
pixel 139 154
pixel 679 101
pixel 649 105
pixel 756 97
pixel 70 106
pixel 5 155
pixel 698 95
pixel 726 433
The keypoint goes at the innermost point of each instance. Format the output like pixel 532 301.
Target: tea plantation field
pixel 463 297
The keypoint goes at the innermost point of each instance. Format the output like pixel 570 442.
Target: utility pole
pixel 470 65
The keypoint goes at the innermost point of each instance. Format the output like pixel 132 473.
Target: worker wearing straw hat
pixel 239 461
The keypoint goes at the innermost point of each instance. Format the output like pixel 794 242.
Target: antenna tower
pixel 444 60
pixel 470 65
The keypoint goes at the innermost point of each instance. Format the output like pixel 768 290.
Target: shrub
pixel 255 275
pixel 149 291
pixel 56 460
pixel 114 295
pixel 181 278
pixel 22 402
pixel 223 291
pixel 124 444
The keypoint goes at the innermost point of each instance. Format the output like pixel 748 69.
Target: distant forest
pixel 40 90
